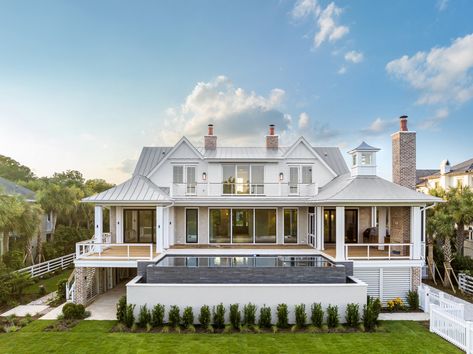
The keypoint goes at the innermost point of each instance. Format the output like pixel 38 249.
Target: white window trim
pixel 254 225
pixel 250 175
pixel 299 175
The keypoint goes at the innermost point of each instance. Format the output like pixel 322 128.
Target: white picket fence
pixel 465 283
pixel 447 318
pixel 37 270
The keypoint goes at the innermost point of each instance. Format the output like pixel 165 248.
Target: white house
pixel 218 224
pixel 447 176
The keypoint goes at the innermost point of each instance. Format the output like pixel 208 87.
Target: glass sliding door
pixel 329 225
pixel 265 225
pixel 191 183
pixel 242 225
pixel 351 225
pixel 257 179
pixel 228 179
pixel 293 179
pixel 243 179
pixel 219 226
pixel 290 225
pixel 139 225
pixel 192 225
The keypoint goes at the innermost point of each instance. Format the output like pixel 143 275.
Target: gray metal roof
pixel 462 167
pixel 243 153
pixel 370 189
pixel 333 157
pixel 136 189
pixel 10 188
pixel 149 158
pixel 365 147
pixel 422 174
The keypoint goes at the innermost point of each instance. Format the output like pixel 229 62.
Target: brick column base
pixel 416 278
pixel 83 278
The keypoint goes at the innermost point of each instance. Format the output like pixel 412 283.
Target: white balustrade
pixel 378 251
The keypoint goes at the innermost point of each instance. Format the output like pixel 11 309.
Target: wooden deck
pixel 120 253
pixel 243 246
pixel 374 252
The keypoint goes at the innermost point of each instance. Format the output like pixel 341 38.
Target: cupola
pixel 363 160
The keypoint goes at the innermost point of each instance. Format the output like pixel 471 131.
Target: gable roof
pixel 149 158
pixel 422 174
pixel 463 167
pixel 370 189
pixel 138 189
pixel 10 188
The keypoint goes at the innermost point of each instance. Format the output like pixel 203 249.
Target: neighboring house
pixel 10 188
pixel 460 175
pixel 211 224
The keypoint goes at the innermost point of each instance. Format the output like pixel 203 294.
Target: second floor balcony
pixel 224 189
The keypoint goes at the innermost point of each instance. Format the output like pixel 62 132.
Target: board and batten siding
pixel 386 283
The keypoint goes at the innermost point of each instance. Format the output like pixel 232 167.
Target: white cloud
pixel 354 56
pixel 328 29
pixel 442 75
pixel 240 117
pixel 342 70
pixel 304 120
pixel 442 5
pixel 304 8
pixel 433 122
pixel 380 126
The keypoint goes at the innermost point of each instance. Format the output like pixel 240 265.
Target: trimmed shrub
pixel 235 316
pixel 249 314
pixel 282 313
pixel 352 315
pixel 41 290
pixel 265 317
pixel 144 317
pixel 219 316
pixel 204 316
pixel 188 317
pixel 61 289
pixel 129 319
pixel 157 315
pixel 73 311
pixel 413 300
pixel 174 316
pixel 121 309
pixel 317 315
pixel 333 319
pixel 301 316
pixel 370 314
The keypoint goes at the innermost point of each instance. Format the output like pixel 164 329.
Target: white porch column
pixel 319 227
pixel 416 232
pixel 98 233
pixel 159 229
pixel 119 226
pixel 166 228
pixel 382 213
pixel 373 216
pixel 340 233
pixel 171 227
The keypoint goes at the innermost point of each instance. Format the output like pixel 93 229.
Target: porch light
pixel 204 176
pixel 281 176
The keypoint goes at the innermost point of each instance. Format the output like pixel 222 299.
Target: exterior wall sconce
pixel 204 176
pixel 281 176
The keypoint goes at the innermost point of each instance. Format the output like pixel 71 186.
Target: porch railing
pixel 122 251
pixel 378 251
pixel 212 189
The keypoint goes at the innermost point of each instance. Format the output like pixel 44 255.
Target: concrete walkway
pixel 52 315
pixel 105 306
pixel 36 307
pixel 404 316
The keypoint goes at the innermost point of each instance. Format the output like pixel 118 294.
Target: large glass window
pixel 192 225
pixel 219 227
pixel 243 179
pixel 290 225
pixel 307 174
pixel 242 225
pixel 190 179
pixel 139 225
pixel 257 179
pixel 178 174
pixel 293 179
pixel 265 225
pixel 228 179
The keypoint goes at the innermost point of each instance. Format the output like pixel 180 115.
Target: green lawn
pixel 50 284
pixel 94 337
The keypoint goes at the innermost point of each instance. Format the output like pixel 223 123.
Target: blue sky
pixel 85 84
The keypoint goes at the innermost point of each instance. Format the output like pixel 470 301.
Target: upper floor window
pixel 366 158
pixel 243 179
pixel 182 174
pixel 299 175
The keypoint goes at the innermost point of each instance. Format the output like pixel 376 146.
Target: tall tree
pixel 14 171
pixel 460 207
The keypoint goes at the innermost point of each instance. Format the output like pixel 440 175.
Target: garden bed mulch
pixel 61 326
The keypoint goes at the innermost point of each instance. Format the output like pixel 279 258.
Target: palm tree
pixel 460 205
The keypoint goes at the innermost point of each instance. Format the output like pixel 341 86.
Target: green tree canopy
pixel 14 171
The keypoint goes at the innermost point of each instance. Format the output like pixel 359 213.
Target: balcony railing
pixel 91 249
pixel 212 189
pixel 368 251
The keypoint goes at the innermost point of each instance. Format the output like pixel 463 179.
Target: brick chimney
pixel 272 140
pixel 210 140
pixel 404 155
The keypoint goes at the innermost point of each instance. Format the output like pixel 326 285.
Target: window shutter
pixel 178 174
pixel 307 174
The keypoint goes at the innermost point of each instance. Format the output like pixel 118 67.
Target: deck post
pixel 416 232
pixel 159 229
pixel 319 224
pixel 340 233
pixel 382 212
pixel 98 214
